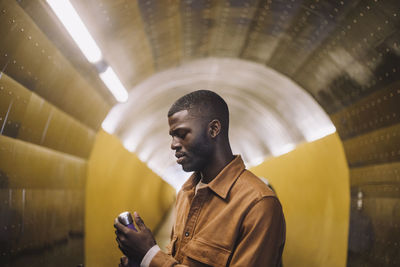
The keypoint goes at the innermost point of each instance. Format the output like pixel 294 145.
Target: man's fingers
pixel 118 241
pixel 121 247
pixel 139 221
pixel 120 227
pixel 121 239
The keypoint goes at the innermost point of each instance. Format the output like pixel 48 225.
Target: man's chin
pixel 192 165
pixel 187 168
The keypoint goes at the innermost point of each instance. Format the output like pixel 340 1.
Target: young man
pixel 225 215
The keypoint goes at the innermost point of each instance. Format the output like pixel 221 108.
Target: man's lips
pixel 180 160
pixel 180 157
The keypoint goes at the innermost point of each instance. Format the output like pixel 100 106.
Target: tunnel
pixel 313 89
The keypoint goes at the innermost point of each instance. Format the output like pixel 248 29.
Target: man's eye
pixel 182 135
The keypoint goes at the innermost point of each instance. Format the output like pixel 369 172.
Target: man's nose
pixel 175 145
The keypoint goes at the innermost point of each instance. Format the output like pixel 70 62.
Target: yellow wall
pixel 312 183
pixel 118 181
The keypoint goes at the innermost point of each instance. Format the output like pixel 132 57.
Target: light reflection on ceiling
pixel 269 113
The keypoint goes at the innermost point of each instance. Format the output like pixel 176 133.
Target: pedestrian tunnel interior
pixel 314 96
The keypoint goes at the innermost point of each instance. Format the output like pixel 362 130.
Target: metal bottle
pixel 126 219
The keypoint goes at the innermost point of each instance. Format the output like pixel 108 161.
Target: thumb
pixel 139 222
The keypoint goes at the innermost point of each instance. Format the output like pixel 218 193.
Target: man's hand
pixel 134 244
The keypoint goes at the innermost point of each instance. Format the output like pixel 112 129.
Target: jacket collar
pixel 223 182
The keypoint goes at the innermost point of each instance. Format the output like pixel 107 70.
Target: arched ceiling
pixel 270 114
pixel 321 45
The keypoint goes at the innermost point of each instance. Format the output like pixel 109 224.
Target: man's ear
pixel 214 128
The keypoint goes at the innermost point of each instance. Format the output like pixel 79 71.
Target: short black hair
pixel 205 103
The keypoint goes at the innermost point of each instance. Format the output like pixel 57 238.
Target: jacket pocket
pixel 206 253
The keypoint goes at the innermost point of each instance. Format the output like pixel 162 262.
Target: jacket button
pixel 187 234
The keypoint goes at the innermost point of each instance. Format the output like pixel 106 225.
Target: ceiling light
pixel 113 83
pixel 78 31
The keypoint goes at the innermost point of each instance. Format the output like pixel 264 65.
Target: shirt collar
pixel 224 180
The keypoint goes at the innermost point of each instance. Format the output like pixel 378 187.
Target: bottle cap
pixel 125 218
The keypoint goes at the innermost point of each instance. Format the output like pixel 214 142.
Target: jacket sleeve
pixel 166 259
pixel 262 236
pixel 163 259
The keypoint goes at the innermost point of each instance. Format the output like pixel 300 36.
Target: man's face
pixel 190 140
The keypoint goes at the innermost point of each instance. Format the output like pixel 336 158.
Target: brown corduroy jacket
pixel 236 220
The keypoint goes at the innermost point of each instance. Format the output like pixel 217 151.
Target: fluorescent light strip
pixel 114 84
pixel 78 31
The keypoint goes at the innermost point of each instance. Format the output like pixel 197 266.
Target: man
pixel 225 215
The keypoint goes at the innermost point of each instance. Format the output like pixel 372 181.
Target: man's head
pixel 199 123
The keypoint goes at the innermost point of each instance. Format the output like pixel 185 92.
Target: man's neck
pixel 218 163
